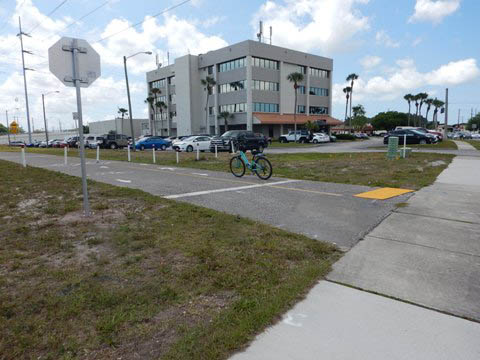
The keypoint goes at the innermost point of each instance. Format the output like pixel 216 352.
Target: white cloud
pixel 407 78
pixel 417 41
pixel 383 38
pixel 434 10
pixel 369 62
pixel 325 25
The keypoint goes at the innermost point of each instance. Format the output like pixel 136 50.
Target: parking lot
pixel 323 211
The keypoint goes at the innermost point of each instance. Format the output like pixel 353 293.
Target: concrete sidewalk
pixel 427 254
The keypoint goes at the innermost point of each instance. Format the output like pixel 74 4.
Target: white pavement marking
pixel 103 167
pixel 124 181
pixel 206 192
pixel 200 174
pixel 171 169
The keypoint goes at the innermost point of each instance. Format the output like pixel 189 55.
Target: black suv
pixel 413 137
pixel 114 141
pixel 247 140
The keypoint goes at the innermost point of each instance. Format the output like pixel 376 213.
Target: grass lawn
pixel 442 145
pixel 372 169
pixel 474 143
pixel 276 145
pixel 144 277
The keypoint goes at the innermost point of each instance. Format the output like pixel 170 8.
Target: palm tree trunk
pixel 351 100
pixel 206 113
pixel 295 113
pixel 409 110
pixel 346 110
pixel 226 125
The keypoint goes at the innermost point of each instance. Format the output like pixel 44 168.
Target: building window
pixel 158 84
pixel 301 89
pixel 162 98
pixel 171 80
pixel 318 91
pixel 265 85
pixel 265 63
pixel 264 107
pixel 302 69
pixel 318 110
pixel 301 109
pixel 233 108
pixel 231 65
pixel 210 110
pixel 210 70
pixel 226 88
pixel 319 73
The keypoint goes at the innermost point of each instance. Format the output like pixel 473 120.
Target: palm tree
pixel 295 78
pixel 225 115
pixel 237 85
pixel 358 110
pixel 155 93
pixel 422 97
pixel 161 106
pixel 209 83
pixel 351 78
pixel 151 100
pixel 437 104
pixel 347 90
pixel 122 112
pixel 416 98
pixel 409 98
pixel 429 103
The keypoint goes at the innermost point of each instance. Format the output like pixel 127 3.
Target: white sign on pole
pixel 75 115
pixel 75 63
pixel 60 62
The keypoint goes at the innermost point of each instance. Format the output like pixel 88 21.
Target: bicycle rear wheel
pixel 237 166
pixel 263 168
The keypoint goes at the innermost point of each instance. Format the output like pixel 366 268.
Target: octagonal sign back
pixel 61 61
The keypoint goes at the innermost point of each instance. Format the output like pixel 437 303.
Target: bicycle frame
pixel 252 166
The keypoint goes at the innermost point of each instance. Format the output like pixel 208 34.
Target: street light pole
pixel 8 126
pixel 128 94
pixel 44 117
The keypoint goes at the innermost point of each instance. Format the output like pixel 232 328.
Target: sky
pixel 396 47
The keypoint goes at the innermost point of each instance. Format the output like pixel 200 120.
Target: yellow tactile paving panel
pixel 383 193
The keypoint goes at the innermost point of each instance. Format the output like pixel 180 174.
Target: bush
pixel 345 137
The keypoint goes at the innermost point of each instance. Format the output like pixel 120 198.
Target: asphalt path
pixel 323 211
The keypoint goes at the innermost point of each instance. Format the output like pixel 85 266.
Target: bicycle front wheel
pixel 237 166
pixel 263 168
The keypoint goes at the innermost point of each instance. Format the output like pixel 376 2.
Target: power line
pixel 141 22
pixel 74 22
pixel 50 13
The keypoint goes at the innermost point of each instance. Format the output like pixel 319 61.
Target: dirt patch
pixel 27 203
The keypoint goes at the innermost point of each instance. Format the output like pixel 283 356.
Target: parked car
pixel 303 136
pixel 114 141
pixel 247 139
pixel 55 143
pixel 97 141
pixel 154 141
pixel 476 136
pixel 461 135
pixel 16 143
pixel 320 138
pixel 413 137
pixel 333 138
pixel 267 138
pixel 361 136
pixel 192 143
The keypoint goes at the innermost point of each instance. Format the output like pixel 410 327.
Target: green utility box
pixel 392 148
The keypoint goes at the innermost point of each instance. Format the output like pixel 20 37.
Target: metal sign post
pixel 75 63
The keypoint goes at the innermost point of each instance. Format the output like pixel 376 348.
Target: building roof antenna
pixel 260 33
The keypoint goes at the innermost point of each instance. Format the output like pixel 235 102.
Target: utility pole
pixel 8 126
pixel 458 120
pixel 20 34
pixel 446 115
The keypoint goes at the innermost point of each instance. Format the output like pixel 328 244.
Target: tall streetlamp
pixel 44 117
pixel 128 92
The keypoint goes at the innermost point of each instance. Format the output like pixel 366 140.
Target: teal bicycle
pixel 259 165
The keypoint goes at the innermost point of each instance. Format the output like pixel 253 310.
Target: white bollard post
pixel 178 156
pixel 216 151
pixel 24 160
pixel 65 149
pixel 404 146
pixel 198 151
pixel 153 152
pixel 98 154
pixel 128 153
pixel 233 148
